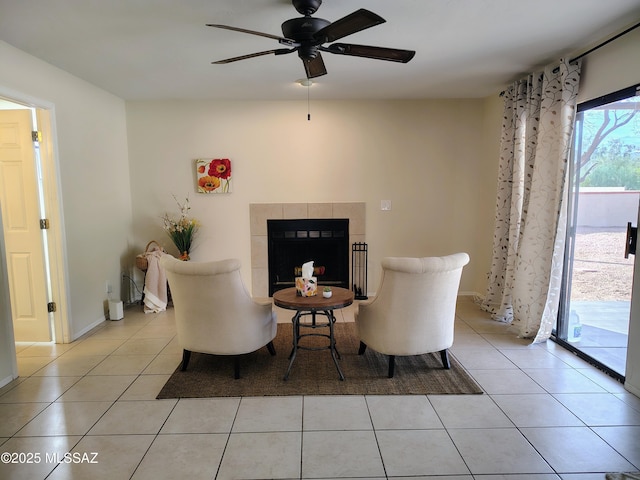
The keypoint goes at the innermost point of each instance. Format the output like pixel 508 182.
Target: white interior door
pixel 21 222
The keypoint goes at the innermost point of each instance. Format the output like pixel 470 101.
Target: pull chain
pixel 308 103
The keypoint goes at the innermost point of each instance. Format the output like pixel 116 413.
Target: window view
pixel 605 197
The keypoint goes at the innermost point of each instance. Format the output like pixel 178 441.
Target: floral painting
pixel 214 175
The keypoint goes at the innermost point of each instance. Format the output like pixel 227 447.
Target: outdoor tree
pixel 599 160
pixel 614 165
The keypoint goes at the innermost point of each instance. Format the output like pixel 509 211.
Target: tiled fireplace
pixel 259 213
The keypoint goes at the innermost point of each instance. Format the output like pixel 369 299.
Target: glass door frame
pixel 560 332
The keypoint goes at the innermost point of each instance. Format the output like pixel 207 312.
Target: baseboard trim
pixel 6 381
pixel 475 295
pixel 470 294
pixel 631 389
pixel 88 328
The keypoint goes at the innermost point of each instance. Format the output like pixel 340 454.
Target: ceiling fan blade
pixel 352 23
pixel 281 40
pixel 314 67
pixel 367 51
pixel 278 51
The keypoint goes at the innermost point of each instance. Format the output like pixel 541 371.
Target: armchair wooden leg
pixel 444 354
pixel 186 356
pixel 236 367
pixel 392 365
pixel 363 347
pixel 271 348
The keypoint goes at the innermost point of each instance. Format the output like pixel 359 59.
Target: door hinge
pixel 44 224
pixel 51 307
pixel 36 136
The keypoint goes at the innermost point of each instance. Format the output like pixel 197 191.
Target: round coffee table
pixel 311 306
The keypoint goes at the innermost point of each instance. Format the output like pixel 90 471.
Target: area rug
pixel 314 372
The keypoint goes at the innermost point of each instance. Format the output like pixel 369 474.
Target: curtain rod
pixel 606 42
pixel 600 45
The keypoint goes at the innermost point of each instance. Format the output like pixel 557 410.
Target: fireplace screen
pixel 294 242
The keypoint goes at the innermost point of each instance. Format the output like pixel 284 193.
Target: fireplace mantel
pixel 259 213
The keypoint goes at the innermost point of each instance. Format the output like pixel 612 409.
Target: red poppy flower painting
pixel 213 175
pixel 220 167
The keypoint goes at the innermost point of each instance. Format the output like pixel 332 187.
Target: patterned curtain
pixel 528 243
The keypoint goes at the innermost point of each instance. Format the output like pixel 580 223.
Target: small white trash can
pixel 116 310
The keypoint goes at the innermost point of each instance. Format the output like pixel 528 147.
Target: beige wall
pixel 91 155
pixel 428 157
pixel 610 68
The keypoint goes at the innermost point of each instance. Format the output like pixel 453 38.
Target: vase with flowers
pixel 181 230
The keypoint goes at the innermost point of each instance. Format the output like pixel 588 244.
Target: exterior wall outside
pixel 607 209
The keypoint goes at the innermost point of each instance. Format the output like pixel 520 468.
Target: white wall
pixel 611 68
pixel 93 167
pixel 427 157
pixel 632 373
pixel 607 209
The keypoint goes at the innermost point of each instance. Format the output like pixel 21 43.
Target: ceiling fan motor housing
pixel 302 29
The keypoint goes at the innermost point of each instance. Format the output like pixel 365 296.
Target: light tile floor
pixel 545 414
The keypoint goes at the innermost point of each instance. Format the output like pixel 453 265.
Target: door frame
pixel 7 342
pixel 565 293
pixel 56 244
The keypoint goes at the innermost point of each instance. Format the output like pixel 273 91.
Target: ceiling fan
pixel 307 36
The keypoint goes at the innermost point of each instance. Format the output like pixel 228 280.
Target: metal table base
pixel 297 324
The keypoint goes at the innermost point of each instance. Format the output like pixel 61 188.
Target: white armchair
pixel 413 311
pixel 214 312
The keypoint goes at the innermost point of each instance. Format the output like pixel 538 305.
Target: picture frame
pixel 213 175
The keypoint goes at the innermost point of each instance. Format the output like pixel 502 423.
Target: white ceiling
pixel 161 49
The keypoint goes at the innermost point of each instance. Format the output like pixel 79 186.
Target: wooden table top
pixel 288 298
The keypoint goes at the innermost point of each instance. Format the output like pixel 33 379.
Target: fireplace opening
pixel 294 242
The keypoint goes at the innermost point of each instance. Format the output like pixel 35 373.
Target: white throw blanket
pixel 155 283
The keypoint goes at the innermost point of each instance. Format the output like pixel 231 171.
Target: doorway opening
pixel 38 311
pixel 593 319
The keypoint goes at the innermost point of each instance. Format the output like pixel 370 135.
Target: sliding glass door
pixel 599 260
